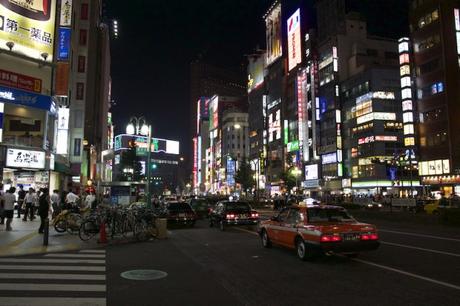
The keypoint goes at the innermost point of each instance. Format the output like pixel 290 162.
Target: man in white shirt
pixel 8 205
pixel 30 200
pixel 55 199
pixel 71 199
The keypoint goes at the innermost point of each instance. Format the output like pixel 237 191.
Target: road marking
pixel 92 251
pixel 75 255
pixel 45 260
pixel 419 235
pixel 51 301
pixel 51 268
pixel 408 274
pixel 17 242
pixel 52 287
pixel 421 249
pixel 95 277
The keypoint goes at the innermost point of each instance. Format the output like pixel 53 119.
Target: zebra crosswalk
pixel 64 279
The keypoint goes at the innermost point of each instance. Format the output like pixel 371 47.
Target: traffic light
pixel 154 166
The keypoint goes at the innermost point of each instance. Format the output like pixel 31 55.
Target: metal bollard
pixel 46 232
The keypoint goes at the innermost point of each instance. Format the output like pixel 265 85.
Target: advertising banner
pixel 62 79
pixel 20 81
pixel 18 158
pixel 64 44
pixel 20 97
pixel 29 26
pixel 294 40
pixel 273 34
pixel 255 72
pixel 66 13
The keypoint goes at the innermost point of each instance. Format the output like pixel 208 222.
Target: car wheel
pixel 265 240
pixel 222 226
pixel 211 223
pixel 302 250
pixel 435 212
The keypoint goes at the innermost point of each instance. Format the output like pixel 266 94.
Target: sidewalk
pixel 25 239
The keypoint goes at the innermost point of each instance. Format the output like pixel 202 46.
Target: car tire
pixel 302 250
pixel 266 242
pixel 435 212
pixel 222 226
pixel 211 223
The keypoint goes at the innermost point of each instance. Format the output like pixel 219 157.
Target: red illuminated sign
pixel 20 81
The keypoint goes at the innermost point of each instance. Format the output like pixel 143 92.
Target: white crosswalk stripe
pixel 70 279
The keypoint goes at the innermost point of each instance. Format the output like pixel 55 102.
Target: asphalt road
pixel 415 265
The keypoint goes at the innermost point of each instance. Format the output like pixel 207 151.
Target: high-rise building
pixel 28 106
pixel 207 80
pixel 435 38
pixel 89 91
pixel 341 57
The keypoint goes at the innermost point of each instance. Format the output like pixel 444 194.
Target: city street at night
pixel 205 266
pixel 229 152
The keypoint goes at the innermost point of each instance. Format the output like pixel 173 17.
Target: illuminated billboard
pixel 66 13
pixel 19 158
pixel 255 72
pixel 273 33
pixel 214 113
pixel 294 40
pixel 311 172
pixel 27 27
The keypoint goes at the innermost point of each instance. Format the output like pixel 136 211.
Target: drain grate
pixel 144 274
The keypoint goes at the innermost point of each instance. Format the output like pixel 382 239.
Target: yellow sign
pixel 27 27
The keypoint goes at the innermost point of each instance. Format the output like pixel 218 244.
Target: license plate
pixel 181 215
pixel 351 237
pixel 242 216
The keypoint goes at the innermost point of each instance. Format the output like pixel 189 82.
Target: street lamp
pixel 139 126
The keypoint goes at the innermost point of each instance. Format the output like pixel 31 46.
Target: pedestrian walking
pixel 43 208
pixel 21 196
pixel 30 200
pixel 55 199
pixel 2 217
pixel 90 200
pixel 8 207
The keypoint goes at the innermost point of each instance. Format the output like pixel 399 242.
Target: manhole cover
pixel 144 274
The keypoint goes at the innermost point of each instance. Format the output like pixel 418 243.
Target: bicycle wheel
pixel 60 226
pixel 88 229
pixel 140 230
pixel 73 223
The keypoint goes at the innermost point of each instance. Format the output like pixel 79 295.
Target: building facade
pixel 434 60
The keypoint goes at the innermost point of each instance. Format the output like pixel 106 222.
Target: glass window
pixel 84 11
pixel 83 37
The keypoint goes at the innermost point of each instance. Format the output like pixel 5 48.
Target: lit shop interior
pixel 28 135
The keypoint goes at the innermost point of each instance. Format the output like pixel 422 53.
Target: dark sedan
pixel 180 213
pixel 200 206
pixel 228 213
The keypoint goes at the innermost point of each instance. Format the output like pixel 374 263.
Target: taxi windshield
pixel 315 214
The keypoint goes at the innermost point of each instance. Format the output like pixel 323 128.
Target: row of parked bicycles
pixel 129 222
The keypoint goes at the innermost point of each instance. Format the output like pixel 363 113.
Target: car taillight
pixel 330 238
pixel 254 215
pixel 371 236
pixel 230 216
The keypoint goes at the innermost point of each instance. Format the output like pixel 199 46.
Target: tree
pixel 244 176
pixel 130 160
pixel 289 179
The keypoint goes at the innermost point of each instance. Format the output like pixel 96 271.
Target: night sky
pixel 158 40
